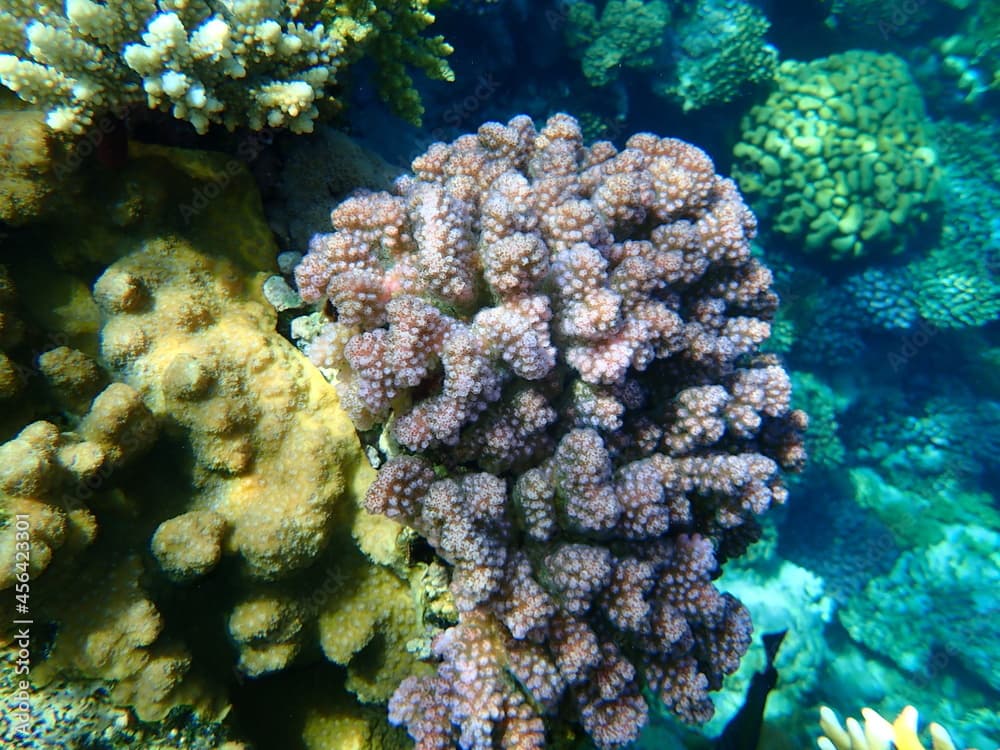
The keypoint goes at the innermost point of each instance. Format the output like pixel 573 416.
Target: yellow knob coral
pixel 877 733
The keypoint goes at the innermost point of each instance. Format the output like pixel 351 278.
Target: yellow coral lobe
pixel 905 727
pixel 273 451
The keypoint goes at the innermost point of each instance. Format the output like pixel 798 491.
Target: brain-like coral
pixel 255 63
pixel 955 284
pixel 562 341
pixel 840 153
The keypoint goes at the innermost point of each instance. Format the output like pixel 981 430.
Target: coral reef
pixel 956 570
pixel 271 458
pixel 27 158
pixel 569 335
pixel 328 165
pixel 874 19
pixel 781 596
pixel 701 54
pixel 972 55
pixel 954 285
pixel 627 33
pixel 903 461
pixel 158 508
pixel 841 153
pixel 112 629
pixel 278 473
pixel 877 732
pixel 719 54
pixel 822 404
pixel 856 548
pixel 42 470
pixel 552 353
pixel 254 63
pixel 80 714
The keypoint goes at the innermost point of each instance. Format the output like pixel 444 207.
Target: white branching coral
pixel 255 63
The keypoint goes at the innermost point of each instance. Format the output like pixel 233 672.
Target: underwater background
pixel 510 453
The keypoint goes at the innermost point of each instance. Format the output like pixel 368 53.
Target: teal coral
pixel 840 152
pixel 720 53
pixel 954 285
pixel 254 63
pixel 948 589
pixel 887 19
pixel 909 458
pixel 822 404
pixel 627 34
pixel 973 54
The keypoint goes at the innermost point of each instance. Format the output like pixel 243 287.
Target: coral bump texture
pixel 562 342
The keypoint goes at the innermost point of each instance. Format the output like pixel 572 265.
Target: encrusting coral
pixel 953 570
pixel 161 506
pixel 254 63
pixel 840 152
pixel 278 470
pixel 53 482
pixel 43 470
pixel 272 456
pixel 562 343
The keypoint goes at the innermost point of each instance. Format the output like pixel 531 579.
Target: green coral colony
pixel 509 421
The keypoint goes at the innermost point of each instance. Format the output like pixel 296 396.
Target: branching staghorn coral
pixel 254 63
pixel 562 343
